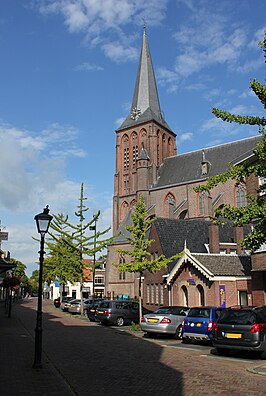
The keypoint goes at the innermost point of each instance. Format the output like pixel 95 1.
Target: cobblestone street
pixel 83 358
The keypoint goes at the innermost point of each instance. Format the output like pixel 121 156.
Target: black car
pixel 118 312
pixel 91 310
pixel 241 329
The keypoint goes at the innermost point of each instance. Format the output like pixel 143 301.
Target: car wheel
pixel 186 340
pixel 91 320
pixel 178 333
pixel 120 321
pixel 222 351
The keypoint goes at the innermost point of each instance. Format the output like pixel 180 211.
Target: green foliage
pixel 138 258
pixel 135 327
pixel 255 211
pixel 34 281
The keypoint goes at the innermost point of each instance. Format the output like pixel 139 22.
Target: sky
pixel 67 76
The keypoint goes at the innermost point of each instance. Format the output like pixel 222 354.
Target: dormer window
pixel 204 168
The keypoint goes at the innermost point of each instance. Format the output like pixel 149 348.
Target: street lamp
pixel 43 221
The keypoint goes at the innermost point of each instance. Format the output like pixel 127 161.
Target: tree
pixel 63 261
pixel 34 281
pixel 76 239
pixel 255 211
pixel 20 273
pixel 138 259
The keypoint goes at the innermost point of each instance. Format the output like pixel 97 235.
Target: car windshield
pixel 238 316
pixel 170 310
pixel 199 312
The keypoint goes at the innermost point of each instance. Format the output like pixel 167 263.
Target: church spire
pixel 145 104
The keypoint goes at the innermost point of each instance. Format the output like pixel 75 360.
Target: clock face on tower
pixel 135 113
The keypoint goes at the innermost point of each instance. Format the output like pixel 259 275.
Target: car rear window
pixel 105 304
pixel 199 312
pixel 238 317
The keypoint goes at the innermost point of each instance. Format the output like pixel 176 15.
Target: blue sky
pixel 67 76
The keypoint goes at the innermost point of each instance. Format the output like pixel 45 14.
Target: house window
pixel 99 280
pixel 152 294
pixel 148 294
pixel 161 295
pixel 243 298
pixel 156 294
pixel 240 196
pixel 122 275
pixel 201 296
pixel 185 296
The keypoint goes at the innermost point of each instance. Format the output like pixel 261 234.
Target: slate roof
pixel 122 232
pixel 225 265
pixel 186 168
pixel 145 96
pixel 174 232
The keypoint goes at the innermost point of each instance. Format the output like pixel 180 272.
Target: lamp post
pixel 42 221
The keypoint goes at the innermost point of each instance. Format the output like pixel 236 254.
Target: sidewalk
pixel 17 377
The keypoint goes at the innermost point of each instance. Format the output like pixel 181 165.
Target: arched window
pixel 201 295
pixel 183 214
pixel 200 204
pixel 133 203
pixel 123 210
pixel 126 152
pixel 135 149
pixel 158 148
pixel 240 196
pixel 164 148
pixel 185 296
pixel 170 147
pixel 170 205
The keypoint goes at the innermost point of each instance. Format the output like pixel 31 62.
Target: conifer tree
pixel 137 258
pixel 255 211
pixel 77 239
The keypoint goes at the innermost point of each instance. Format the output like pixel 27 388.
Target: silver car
pixel 75 306
pixel 165 320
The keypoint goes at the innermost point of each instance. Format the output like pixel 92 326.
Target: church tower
pixel 143 141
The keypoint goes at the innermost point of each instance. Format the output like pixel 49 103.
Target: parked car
pixel 66 304
pixel 118 312
pixel 165 320
pixel 75 306
pixel 90 310
pixel 198 324
pixel 241 329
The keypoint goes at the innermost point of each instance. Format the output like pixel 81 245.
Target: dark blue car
pixel 198 325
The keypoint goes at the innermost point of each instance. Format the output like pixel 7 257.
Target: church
pixel 214 269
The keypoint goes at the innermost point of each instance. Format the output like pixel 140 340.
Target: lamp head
pixel 43 221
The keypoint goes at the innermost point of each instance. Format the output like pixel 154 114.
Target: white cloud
pixel 119 53
pixel 95 18
pixel 185 136
pixel 85 66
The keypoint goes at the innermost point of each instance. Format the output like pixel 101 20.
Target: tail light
pixel 215 326
pixel 108 312
pixel 142 320
pixel 165 321
pixel 183 324
pixel 257 327
pixel 210 325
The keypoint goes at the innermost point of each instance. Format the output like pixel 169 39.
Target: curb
pixel 260 370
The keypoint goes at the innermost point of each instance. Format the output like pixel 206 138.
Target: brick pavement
pixel 82 358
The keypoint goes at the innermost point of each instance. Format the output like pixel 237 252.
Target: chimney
pixel 214 238
pixel 239 236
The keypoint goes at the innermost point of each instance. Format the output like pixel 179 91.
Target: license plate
pixel 101 312
pixel 233 335
pixel 92 310
pixel 152 320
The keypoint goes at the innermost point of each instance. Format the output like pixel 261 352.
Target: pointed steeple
pixel 145 104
